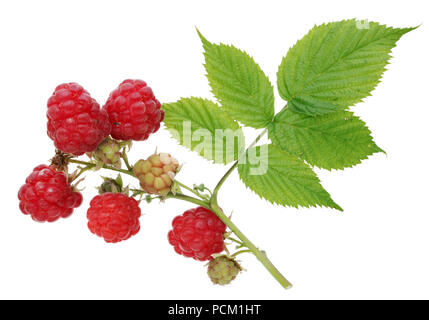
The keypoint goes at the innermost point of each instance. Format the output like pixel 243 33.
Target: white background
pixel 377 248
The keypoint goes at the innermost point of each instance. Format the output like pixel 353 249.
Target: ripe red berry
pixel 198 233
pixel 47 196
pixel 133 110
pixel 75 121
pixel 114 216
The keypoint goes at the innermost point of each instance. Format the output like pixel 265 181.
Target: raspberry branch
pixel 131 113
pixel 210 203
pixel 103 135
pixel 260 255
pixel 213 206
pixel 178 196
pixel 78 125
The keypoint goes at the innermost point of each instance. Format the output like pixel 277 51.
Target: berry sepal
pixel 113 186
pixel 61 160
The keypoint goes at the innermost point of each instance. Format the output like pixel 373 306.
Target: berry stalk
pixel 93 165
pixel 184 197
pixel 234 166
pixel 260 255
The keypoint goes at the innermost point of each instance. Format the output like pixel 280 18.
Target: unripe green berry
pixel 156 174
pixel 223 269
pixel 108 152
pixel 111 185
pixel 108 186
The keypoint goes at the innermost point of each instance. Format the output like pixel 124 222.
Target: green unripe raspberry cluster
pixel 108 152
pixel 223 269
pixel 156 174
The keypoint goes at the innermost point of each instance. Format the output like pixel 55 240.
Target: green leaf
pixel 282 178
pixel 204 127
pixel 239 84
pixel 335 65
pixel 332 141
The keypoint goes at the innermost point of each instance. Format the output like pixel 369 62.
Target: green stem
pixel 209 191
pixel 92 165
pixel 189 189
pixel 220 183
pixel 138 191
pixel 258 138
pixel 228 173
pixel 240 252
pixel 125 158
pixel 261 256
pixel 183 197
pixel 236 241
pixel 80 173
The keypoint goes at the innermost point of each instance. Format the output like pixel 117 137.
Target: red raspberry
pixel 198 233
pixel 134 112
pixel 47 196
pixel 114 216
pixel 75 121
